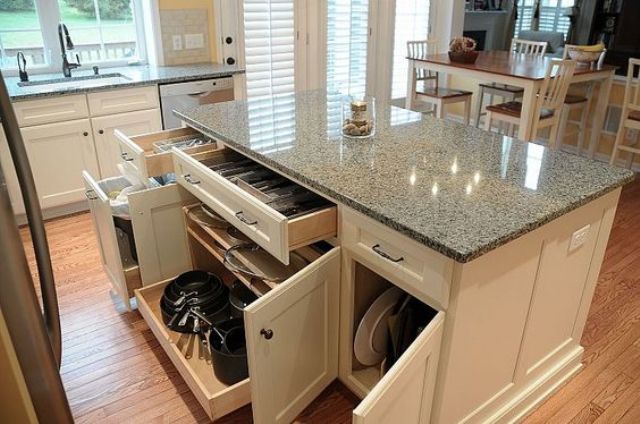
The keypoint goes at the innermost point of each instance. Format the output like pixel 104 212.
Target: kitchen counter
pixel 458 190
pixel 137 75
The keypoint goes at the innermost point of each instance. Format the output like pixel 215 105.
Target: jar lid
pixel 358 106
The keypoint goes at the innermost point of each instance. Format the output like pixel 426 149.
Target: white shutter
pixel 411 23
pixel 347 38
pixel 269 47
pixel 551 16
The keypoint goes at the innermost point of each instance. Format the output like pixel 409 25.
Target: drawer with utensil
pixel 271 210
pixel 149 155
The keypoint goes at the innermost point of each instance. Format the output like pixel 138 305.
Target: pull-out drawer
pixel 261 214
pixel 192 359
pixel 146 160
pixel 425 273
pixel 149 246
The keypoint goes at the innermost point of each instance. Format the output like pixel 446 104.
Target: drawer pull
pixel 188 178
pixel 241 217
pixel 91 195
pixel 125 157
pixel 385 255
pixel 267 334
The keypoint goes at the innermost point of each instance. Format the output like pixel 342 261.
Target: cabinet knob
pixel 267 334
pixel 86 134
pixel 100 131
pixel 231 61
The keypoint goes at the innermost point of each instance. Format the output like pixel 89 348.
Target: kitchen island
pixel 501 239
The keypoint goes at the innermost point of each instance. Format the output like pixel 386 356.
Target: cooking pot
pixel 229 351
pixel 239 298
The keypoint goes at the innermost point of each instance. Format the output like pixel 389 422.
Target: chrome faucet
pixel 66 44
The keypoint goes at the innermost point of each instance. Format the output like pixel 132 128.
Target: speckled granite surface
pixel 135 76
pixel 456 189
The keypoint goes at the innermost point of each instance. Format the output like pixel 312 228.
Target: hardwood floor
pixel 114 370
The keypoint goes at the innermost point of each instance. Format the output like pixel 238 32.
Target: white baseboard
pixel 56 212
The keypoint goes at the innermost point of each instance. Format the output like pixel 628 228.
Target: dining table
pixel 519 70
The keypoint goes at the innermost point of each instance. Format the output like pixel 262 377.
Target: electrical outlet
pixel 177 42
pixel 193 41
pixel 579 237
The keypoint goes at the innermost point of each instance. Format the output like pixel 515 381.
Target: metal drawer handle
pixel 125 156
pixel 188 178
pixel 241 217
pixel 91 195
pixel 267 334
pixel 385 255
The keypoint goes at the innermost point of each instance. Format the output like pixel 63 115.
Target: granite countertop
pixel 136 75
pixel 456 189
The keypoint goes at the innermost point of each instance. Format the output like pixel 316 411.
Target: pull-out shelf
pixel 258 215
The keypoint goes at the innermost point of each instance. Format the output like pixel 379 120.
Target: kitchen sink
pixel 78 81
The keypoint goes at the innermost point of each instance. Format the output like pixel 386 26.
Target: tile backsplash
pixel 180 23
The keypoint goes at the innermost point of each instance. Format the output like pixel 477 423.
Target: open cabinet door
pixel 405 393
pixel 292 341
pixel 106 234
pixel 161 235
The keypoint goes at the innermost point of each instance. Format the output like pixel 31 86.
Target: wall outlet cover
pixel 579 237
pixel 193 41
pixel 177 42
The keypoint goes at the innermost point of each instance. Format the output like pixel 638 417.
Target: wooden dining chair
pixel 426 87
pixel 630 118
pixel 548 106
pixel 509 93
pixel 578 98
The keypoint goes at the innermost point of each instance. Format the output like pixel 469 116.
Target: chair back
pixel 537 48
pixel 568 47
pixel 556 83
pixel 632 89
pixel 419 49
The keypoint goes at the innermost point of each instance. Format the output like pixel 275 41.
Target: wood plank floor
pixel 114 371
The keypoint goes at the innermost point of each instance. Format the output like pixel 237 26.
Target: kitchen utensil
pixel 370 342
pixel 204 216
pixel 22 67
pixel 254 262
pixel 227 164
pixel 237 237
pixel 229 351
pixel 240 296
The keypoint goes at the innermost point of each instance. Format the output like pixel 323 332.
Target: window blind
pixel 551 16
pixel 269 46
pixel 411 23
pixel 269 28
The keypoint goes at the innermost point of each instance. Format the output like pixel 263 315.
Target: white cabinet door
pixel 106 235
pixel 10 176
pixel 405 393
pixel 160 232
pixel 58 154
pixel 292 341
pixel 131 123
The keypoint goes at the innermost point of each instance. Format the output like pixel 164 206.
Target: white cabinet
pixel 10 177
pixel 58 154
pixel 131 123
pixel 50 110
pixel 123 100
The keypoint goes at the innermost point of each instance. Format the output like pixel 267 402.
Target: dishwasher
pixel 186 95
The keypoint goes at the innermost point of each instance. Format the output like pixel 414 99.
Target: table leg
pixel 528 107
pixel 599 114
pixel 411 84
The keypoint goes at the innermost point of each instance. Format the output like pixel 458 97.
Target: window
pixel 411 23
pixel 20 31
pixel 551 16
pixel 102 31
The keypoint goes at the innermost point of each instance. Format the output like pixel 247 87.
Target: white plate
pixel 370 343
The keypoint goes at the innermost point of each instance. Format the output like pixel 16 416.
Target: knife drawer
pixel 255 213
pixel 140 156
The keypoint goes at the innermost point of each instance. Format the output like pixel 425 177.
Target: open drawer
pixel 149 155
pixel 153 245
pixel 263 214
pixel 192 359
